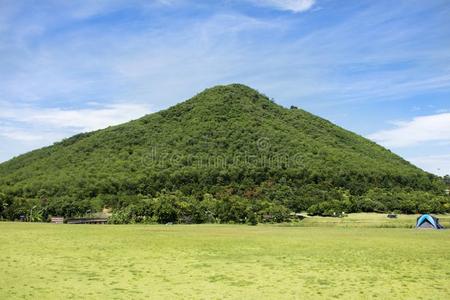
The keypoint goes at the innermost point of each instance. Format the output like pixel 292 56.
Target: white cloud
pixel 291 5
pixel 432 128
pixel 63 122
pixel 19 134
pixel 88 119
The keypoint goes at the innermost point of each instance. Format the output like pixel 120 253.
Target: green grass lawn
pixel 367 220
pixel 46 261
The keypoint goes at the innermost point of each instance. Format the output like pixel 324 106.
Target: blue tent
pixel 428 221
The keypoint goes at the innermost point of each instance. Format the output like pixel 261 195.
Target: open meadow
pixel 48 261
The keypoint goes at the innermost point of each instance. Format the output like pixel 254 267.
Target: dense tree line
pixel 176 207
pixel 379 200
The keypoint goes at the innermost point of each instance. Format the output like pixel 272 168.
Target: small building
pixel 57 220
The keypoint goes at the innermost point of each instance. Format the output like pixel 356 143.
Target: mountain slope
pixel 227 140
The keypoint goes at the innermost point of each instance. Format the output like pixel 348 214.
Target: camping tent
pixel 428 221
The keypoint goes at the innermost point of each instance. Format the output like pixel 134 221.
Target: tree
pixel 165 209
pixel 3 204
pixel 447 179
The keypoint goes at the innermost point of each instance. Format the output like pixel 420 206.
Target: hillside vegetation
pixel 227 154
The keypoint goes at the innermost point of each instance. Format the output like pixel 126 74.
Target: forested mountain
pixel 230 144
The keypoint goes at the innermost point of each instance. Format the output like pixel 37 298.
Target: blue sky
pixel 378 68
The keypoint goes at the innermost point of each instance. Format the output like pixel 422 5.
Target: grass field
pixel 367 220
pixel 46 261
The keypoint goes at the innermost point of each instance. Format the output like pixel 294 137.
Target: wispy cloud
pixel 29 121
pixel 432 128
pixel 15 133
pixel 290 5
pixel 359 59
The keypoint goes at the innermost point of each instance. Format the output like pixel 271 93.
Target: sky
pixel 378 68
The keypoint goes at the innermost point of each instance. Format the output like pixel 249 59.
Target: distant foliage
pixel 251 156
pixel 177 208
pixel 447 179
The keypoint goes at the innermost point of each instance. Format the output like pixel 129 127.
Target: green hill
pixel 228 141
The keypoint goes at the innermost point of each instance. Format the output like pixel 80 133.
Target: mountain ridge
pixel 227 140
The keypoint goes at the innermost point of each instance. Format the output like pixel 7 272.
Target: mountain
pixel 227 140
